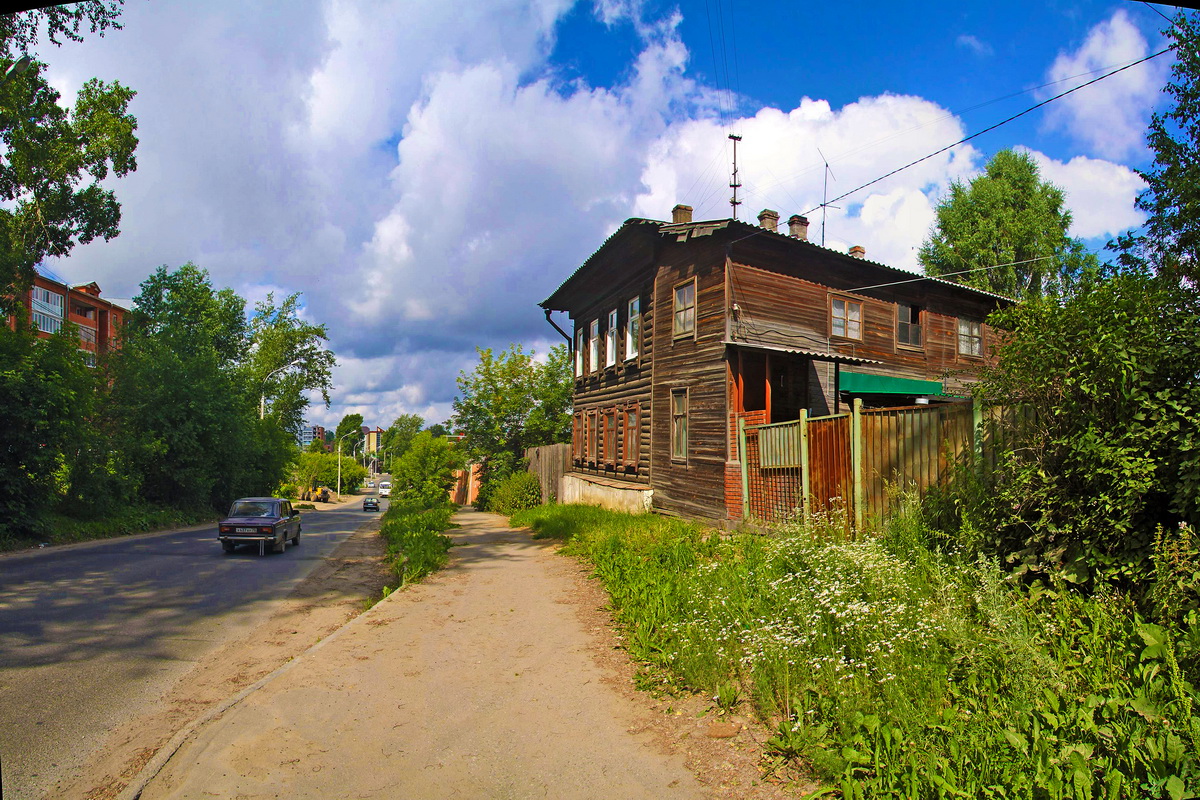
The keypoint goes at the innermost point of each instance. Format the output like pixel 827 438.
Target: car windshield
pixel 247 508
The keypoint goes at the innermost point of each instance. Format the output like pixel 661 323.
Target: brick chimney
pixel 768 219
pixel 858 251
pixel 798 227
pixel 681 213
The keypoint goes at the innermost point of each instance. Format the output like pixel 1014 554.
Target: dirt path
pixel 496 678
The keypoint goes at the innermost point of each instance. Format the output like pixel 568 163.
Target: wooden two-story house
pixel 682 328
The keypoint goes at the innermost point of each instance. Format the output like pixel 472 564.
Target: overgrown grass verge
pixel 56 528
pixel 416 544
pixel 898 670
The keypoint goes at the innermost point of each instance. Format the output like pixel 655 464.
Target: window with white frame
pixel 594 346
pixel 846 318
pixel 610 340
pixel 47 308
pixel 633 329
pixel 685 309
pixel 579 354
pixel 970 338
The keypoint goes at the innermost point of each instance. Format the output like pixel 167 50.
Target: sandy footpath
pixel 481 682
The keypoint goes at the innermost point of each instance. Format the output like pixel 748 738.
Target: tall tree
pixel 511 402
pixel 396 440
pixel 1170 241
pixel 279 338
pixel 52 195
pixel 1005 231
pixel 351 428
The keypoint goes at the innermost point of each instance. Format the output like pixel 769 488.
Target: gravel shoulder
pixel 499 677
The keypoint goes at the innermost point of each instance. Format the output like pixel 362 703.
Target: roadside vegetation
pixel 902 664
pixel 420 510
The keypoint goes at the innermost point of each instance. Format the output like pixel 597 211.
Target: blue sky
pixel 425 173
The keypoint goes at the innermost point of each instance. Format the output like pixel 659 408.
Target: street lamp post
pixel 339 458
pixel 262 401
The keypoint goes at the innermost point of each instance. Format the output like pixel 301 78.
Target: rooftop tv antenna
pixel 825 195
pixel 735 184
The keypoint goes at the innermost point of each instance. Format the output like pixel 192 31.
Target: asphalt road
pixel 90 635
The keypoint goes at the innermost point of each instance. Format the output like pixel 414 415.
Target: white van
pixel 385 488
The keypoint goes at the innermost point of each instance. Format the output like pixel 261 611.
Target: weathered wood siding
pixel 628 381
pixel 694 487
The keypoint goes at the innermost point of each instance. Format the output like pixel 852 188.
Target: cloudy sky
pixel 426 172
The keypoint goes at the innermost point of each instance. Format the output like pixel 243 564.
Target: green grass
pixel 416 544
pixel 897 670
pixel 59 528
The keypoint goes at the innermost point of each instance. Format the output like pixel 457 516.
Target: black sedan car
pixel 370 504
pixel 261 521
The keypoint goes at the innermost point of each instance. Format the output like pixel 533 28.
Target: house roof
pixel 682 231
pixel 815 355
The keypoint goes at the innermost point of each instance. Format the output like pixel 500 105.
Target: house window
pixel 577 438
pixel 579 354
pixel 47 308
pixel 609 438
pixel 610 340
pixel 633 329
pixel 590 453
pixel 970 338
pixel 87 335
pixel 631 437
pixel 908 325
pixel 594 346
pixel 89 358
pixel 679 424
pixel 846 318
pixel 685 309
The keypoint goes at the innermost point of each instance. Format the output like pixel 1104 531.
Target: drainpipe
pixel 565 335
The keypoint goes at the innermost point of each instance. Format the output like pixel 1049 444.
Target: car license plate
pixel 243 530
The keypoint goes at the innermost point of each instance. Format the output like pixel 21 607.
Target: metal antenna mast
pixel 825 195
pixel 735 184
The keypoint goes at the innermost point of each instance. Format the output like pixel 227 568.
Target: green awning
pixel 861 383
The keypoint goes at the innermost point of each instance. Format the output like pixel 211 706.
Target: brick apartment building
pixel 51 304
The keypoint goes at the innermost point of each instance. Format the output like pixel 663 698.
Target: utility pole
pixel 735 184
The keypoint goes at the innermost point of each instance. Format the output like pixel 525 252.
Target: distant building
pixel 309 434
pixel 51 304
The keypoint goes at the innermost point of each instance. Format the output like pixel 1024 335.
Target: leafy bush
pixel 897 670
pixel 424 474
pixel 517 492
pixel 416 544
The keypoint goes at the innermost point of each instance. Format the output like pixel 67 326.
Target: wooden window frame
pixel 579 337
pixel 610 340
pixel 676 333
pixel 919 325
pixel 590 455
pixel 631 436
pixel 577 438
pixel 833 317
pixel 594 346
pixel 608 438
pixel 974 333
pixel 633 328
pixel 679 437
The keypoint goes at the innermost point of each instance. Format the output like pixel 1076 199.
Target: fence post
pixel 805 486
pixel 745 459
pixel 856 459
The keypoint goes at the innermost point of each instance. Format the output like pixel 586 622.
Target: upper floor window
pixel 47 303
pixel 970 338
pixel 579 354
pixel 633 329
pixel 46 323
pixel 846 318
pixel 908 325
pixel 610 340
pixel 685 309
pixel 594 346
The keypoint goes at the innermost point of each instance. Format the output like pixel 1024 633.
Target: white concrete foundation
pixel 633 498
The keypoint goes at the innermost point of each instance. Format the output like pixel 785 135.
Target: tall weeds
pixel 899 670
pixel 416 544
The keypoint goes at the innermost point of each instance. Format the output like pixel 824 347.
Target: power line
pixel 948 274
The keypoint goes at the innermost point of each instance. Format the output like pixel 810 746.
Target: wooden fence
pixel 549 462
pixel 859 462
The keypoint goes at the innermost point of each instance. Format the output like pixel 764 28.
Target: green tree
pixel 424 474
pixel 1006 216
pixel 511 402
pixel 278 337
pixel 350 424
pixel 47 392
pixel 396 440
pixel 1170 239
pixel 56 161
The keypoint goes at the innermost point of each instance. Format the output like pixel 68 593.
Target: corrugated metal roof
pixel 818 355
